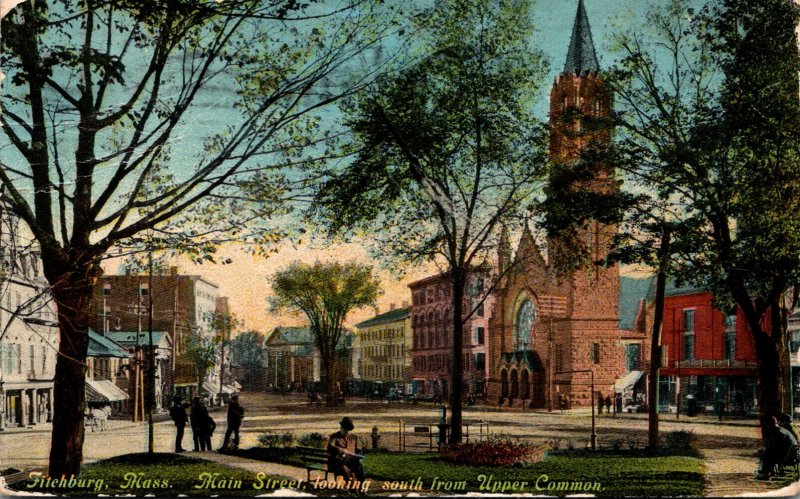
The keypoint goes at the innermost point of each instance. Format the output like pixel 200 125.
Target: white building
pixel 29 334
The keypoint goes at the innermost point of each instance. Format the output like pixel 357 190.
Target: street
pixel 728 448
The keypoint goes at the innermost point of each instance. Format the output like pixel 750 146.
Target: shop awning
pixel 212 388
pixel 104 391
pixel 628 380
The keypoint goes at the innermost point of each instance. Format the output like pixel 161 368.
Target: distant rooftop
pixel 390 316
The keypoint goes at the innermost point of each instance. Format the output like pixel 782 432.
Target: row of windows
pixel 441 338
pixel 384 334
pixel 393 351
pixel 11 358
pixel 438 362
pixel 439 316
pixel 729 337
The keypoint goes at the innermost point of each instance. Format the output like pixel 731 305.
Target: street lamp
pixel 594 429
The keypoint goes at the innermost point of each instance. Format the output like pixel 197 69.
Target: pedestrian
pixel 200 426
pixel 608 404
pixel 600 402
pixel 343 457
pixel 235 416
pixel 178 414
pixel 778 446
pixel 619 403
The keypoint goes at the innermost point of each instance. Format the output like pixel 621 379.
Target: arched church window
pixel 526 316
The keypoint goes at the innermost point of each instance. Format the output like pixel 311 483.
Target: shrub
pixel 679 441
pixel 495 451
pixel 313 439
pixel 271 440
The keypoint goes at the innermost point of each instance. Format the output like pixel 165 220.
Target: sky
pixel 246 279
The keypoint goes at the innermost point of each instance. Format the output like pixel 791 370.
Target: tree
pixel 325 293
pixel 708 118
pixel 202 352
pixel 446 152
pixel 103 112
pixel 247 352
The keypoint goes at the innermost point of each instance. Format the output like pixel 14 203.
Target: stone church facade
pixel 551 334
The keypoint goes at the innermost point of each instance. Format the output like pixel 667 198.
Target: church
pixel 553 337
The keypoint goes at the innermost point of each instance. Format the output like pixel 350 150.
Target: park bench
pixel 314 458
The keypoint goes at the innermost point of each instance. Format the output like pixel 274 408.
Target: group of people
pixel 780 444
pixel 610 405
pixel 203 425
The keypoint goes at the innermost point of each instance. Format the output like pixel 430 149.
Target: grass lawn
pixel 602 473
pixel 612 474
pixel 160 475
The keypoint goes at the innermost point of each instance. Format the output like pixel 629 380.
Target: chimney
pixel 391 306
pixel 377 310
pixel 173 270
pixel 405 303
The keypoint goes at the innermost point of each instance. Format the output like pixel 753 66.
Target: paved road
pixel 729 448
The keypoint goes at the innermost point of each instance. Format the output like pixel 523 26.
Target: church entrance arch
pixel 504 383
pixel 514 385
pixel 526 387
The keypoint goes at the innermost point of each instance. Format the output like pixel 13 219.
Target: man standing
pixel 200 425
pixel 343 458
pixel 235 416
pixel 178 414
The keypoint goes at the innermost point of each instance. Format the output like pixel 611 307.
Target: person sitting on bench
pixel 778 444
pixel 343 457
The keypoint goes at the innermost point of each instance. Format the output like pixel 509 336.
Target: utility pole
pixel 151 355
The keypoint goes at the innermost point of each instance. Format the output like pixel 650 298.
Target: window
pixel 479 334
pixel 595 353
pixel 688 320
pixel 32 358
pixel 144 289
pixel 730 345
pixel 632 356
pixel 526 316
pixel 479 310
pixel 19 358
pixel 688 334
pixel 480 361
pixel 106 289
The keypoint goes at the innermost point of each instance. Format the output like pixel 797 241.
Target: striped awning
pixel 103 391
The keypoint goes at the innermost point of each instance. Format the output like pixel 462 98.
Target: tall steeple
pixel 581 57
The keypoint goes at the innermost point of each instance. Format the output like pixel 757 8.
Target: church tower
pixel 580 105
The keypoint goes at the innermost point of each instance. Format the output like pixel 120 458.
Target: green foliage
pixel 247 349
pixel 202 353
pixel 325 293
pixel 313 439
pixel 618 475
pixel 446 149
pixel 272 440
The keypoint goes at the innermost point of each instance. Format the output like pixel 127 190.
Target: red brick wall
pixel 709 329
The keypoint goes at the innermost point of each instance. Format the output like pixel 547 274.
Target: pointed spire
pixel 581 57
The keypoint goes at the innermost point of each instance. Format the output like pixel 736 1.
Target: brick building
pixel 183 305
pixel 547 326
pixel 708 355
pixel 432 328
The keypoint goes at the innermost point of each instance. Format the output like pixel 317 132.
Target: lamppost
pixel 594 432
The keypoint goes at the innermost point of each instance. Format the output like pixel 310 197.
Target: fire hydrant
pixel 376 437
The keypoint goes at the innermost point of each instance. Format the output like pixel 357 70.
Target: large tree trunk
pixel 327 372
pixel 459 277
pixel 72 292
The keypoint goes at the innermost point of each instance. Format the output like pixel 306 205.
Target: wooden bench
pixel 314 458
